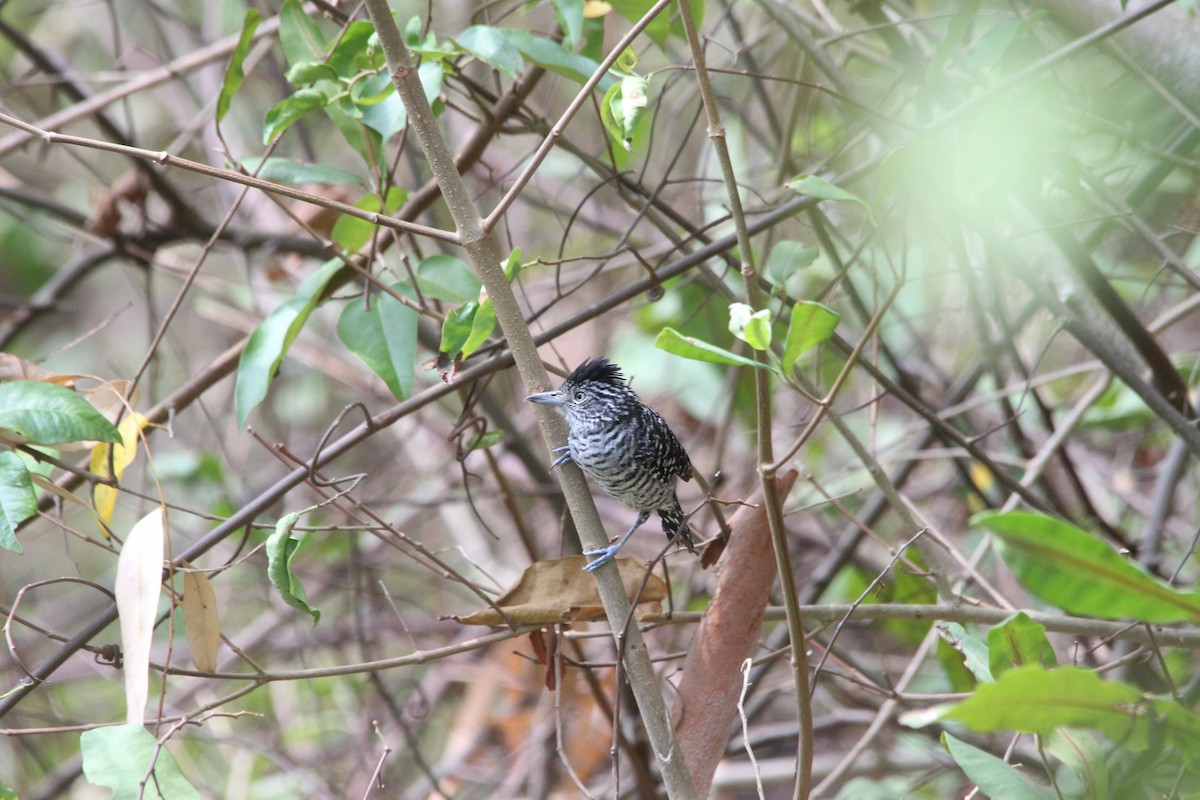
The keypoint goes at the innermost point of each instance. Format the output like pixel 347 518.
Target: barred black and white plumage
pixel 624 446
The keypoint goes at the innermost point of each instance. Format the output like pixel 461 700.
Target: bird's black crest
pixel 600 370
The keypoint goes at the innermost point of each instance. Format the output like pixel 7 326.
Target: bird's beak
pixel 546 398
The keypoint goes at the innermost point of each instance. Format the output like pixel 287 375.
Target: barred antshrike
pixel 623 445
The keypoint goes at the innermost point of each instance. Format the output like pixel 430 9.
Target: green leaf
pixel 482 441
pixel 18 499
pixel 752 327
pixel 302 40
pixel 291 109
pixel 569 14
pixel 234 76
pixel 457 327
pixel 513 265
pixel 355 51
pixel 353 233
pixel 269 342
pixel 46 413
pixel 677 344
pixel 786 258
pixel 119 758
pixel 287 170
pixel 281 548
pixel 446 278
pixel 812 186
pixel 481 327
pixel 552 56
pixel 810 325
pixel 1087 757
pixel 994 777
pixel 1080 574
pixel 973 650
pixel 490 46
pixel 608 118
pixel 661 27
pixel 1016 642
pixel 384 336
pixel 308 72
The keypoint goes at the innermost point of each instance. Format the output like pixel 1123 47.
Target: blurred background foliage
pixel 1028 185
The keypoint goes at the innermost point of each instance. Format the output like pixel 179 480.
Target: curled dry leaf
pixel 201 621
pixel 550 592
pixel 139 585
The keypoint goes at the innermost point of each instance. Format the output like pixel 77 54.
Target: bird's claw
pixel 564 458
pixel 606 555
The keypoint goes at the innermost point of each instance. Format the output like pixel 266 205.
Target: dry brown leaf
pixel 48 485
pixel 200 620
pixel 550 592
pixel 15 368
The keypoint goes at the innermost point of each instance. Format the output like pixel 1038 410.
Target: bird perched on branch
pixel 623 445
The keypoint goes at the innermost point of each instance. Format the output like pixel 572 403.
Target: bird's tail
pixel 675 526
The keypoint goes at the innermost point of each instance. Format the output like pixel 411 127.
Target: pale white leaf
pixel 139 585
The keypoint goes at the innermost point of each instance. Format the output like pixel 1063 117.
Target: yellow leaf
pixel 105 497
pixel 139 584
pixel 595 8
pixel 200 620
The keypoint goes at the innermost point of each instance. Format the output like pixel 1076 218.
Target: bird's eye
pixel 579 397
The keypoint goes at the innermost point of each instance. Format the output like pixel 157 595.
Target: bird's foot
pixel 606 555
pixel 564 458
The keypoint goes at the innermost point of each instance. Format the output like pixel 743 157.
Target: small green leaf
pixel 810 325
pixel 513 265
pixel 812 186
pixel 569 14
pixel 384 336
pixel 457 327
pixel 608 117
pixel 290 110
pixel 1016 642
pixel 269 342
pixel 45 413
pixel 446 278
pixel 353 233
pixel 490 46
pixel 119 758
pixel 18 500
pixel 281 547
pixel 752 327
pixel 301 38
pixel 307 72
pixel 287 170
pixel 1080 574
pixel 677 344
pixel 974 651
pixel 481 327
pixel 994 777
pixel 234 76
pixel 482 441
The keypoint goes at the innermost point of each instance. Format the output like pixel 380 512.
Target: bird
pixel 623 445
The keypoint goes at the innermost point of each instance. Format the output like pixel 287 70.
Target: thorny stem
pixel 484 250
pixel 762 392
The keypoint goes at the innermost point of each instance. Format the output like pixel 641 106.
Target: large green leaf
pixel 269 342
pixel 490 46
pixel 119 758
pixel 1035 700
pixel 552 56
pixel 290 110
pixel 447 278
pixel 281 548
pixel 995 778
pixel 1080 574
pixel 677 344
pixel 233 73
pixel 569 14
pixel 18 500
pixel 301 37
pixel 384 336
pixel 46 413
